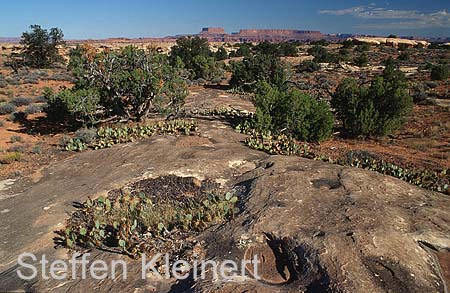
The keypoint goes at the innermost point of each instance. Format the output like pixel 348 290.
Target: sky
pixel 82 19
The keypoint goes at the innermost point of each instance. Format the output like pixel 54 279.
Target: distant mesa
pixel 9 40
pixel 213 31
pixel 218 34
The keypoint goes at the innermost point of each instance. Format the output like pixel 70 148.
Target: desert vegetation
pixel 194 54
pixel 292 112
pixel 104 137
pixel 258 67
pixel 312 95
pixel 129 84
pixel 375 110
pixel 40 48
pixel 140 221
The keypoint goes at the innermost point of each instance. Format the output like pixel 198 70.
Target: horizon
pixel 155 19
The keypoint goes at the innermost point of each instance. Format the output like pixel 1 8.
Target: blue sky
pixel 141 18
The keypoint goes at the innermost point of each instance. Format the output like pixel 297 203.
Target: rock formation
pixel 394 42
pixel 213 31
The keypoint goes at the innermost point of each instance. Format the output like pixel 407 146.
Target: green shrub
pixel 3 82
pixel 17 116
pixel 16 138
pixel 30 80
pixel 266 48
pixel 86 135
pixel 126 84
pixel 10 158
pixel 390 62
pixel 62 77
pixel 7 108
pixel 40 99
pixel 357 113
pixel 362 60
pixel 37 149
pixel 404 56
pixel 321 42
pixel 21 101
pixel 33 108
pixel 375 110
pixel 276 49
pixel 193 53
pixel 295 112
pixel 41 46
pixel 308 66
pixel 287 49
pixel 344 55
pixel 22 148
pixel 439 46
pixel 419 93
pixel 73 104
pixel 348 44
pixel 207 68
pixel 187 48
pixel 431 84
pixel 321 55
pixel 402 47
pixel 440 72
pixel 364 47
pixel 13 81
pixel 221 54
pixel 391 98
pixel 244 50
pixel 257 68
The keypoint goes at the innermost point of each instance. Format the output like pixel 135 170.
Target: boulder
pixel 333 228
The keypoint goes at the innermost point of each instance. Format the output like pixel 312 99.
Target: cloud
pixel 405 19
pixel 349 11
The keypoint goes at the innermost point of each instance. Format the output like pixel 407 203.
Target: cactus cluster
pixel 109 136
pixel 129 223
pixel 285 145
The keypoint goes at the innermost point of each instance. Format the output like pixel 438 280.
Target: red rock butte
pixel 213 31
